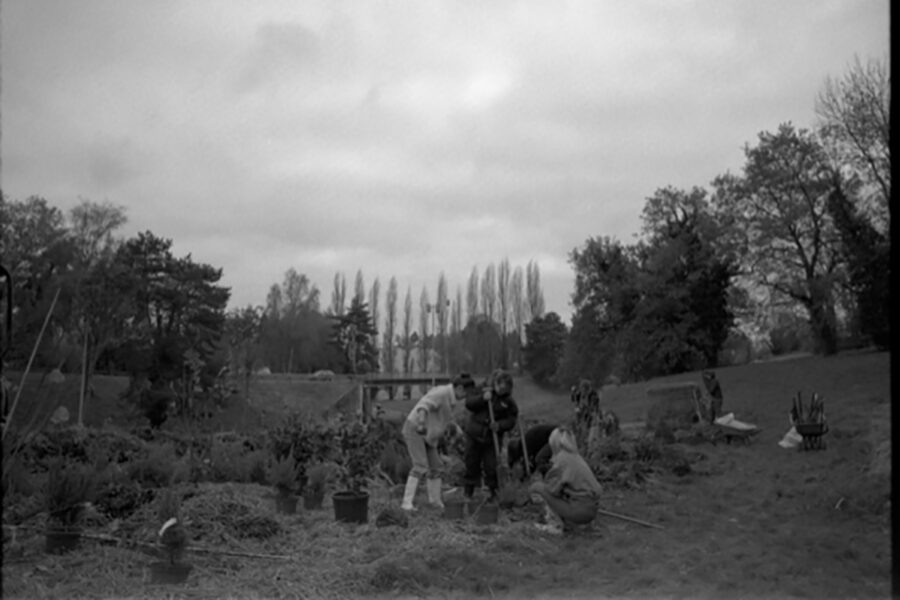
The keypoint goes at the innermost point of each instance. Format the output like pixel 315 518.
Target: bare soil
pixel 748 521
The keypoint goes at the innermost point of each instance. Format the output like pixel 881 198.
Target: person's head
pixel 562 440
pixel 502 382
pixel 585 386
pixel 709 375
pixel 463 385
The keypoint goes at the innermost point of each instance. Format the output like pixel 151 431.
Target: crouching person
pixel 423 430
pixel 536 438
pixel 569 489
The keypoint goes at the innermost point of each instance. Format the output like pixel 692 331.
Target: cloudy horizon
pixel 402 139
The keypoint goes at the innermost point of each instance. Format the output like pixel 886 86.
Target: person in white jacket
pixel 423 429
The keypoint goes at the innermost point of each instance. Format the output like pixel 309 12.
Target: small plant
pixel 69 488
pixel 360 451
pixel 157 468
pixel 284 474
pixel 172 534
pixel 317 478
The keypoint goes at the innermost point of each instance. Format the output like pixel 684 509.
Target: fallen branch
pixel 110 539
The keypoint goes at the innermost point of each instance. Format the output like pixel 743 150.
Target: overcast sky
pixel 402 138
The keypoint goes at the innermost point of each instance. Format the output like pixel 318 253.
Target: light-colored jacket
pixel 438 403
pixel 570 475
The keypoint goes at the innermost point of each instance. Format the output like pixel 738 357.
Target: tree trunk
pixel 822 318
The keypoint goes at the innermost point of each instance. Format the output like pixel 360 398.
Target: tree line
pixel 131 306
pixel 802 232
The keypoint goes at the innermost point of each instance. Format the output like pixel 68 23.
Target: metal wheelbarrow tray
pixel 734 433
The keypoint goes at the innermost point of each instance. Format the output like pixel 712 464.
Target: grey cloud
pixel 278 51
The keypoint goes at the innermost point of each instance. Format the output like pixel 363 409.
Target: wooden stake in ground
pixel 28 366
pixel 524 448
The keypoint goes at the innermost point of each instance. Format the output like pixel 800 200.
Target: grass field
pixel 749 520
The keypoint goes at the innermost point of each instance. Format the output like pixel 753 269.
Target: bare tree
pixel 489 307
pixel 374 298
pixel 359 287
pixel 517 305
pixel 472 296
pixel 442 308
pixel 423 328
pixel 274 302
pixel 855 124
pixel 503 309
pixel 338 295
pixel 407 341
pixel 456 331
pixel 534 293
pixel 390 326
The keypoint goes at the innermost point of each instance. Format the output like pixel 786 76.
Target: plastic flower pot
pixel 62 541
pixel 487 514
pixel 168 573
pixel 313 501
pixel 286 503
pixel 455 509
pixel 351 507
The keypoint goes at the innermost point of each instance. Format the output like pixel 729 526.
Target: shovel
pixel 494 432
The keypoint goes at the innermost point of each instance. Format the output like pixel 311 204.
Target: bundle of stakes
pixel 814 412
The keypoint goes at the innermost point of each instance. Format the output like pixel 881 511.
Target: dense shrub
pixel 159 468
pixel 789 333
pixel 119 500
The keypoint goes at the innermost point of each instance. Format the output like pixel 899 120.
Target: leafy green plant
pixel 317 477
pixel 158 468
pixel 225 458
pixel 284 474
pixel 360 451
pixel 68 489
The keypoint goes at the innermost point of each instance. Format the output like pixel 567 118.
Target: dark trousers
pixel 481 458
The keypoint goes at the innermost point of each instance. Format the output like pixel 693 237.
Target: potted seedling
pixel 360 449
pixel 68 490
pixel 284 474
pixel 173 539
pixel 316 479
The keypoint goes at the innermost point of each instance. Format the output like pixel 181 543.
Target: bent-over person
pixel 569 489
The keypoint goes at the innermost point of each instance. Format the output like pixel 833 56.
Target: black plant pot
pixel 62 540
pixel 313 501
pixel 286 504
pixel 169 573
pixel 351 507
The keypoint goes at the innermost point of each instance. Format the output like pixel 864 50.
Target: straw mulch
pixel 241 548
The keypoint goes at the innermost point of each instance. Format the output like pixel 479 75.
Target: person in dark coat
pixel 539 452
pixel 480 455
pixel 711 382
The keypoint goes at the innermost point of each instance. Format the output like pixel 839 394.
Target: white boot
pixel 412 484
pixel 434 492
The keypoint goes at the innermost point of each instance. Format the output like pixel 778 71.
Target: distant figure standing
pixel 587 409
pixel 715 391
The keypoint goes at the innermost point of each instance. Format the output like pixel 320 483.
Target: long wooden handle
pixel 631 519
pixel 493 431
pixel 525 451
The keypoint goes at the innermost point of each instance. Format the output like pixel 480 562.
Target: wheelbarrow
pixel 731 429
pixel 729 433
pixel 813 435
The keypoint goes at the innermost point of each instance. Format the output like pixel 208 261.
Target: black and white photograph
pixel 453 299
